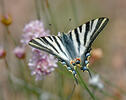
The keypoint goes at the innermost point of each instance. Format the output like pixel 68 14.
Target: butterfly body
pixel 72 49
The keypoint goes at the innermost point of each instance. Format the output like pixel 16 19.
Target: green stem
pixel 6 63
pixel 60 84
pixel 45 15
pixel 85 86
pixel 11 37
pixel 25 85
pixel 37 6
pixel 15 44
pixel 51 14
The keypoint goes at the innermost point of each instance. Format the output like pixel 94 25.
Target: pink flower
pixel 33 30
pixel 19 52
pixel 41 63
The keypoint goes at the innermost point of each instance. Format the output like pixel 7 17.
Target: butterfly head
pixel 76 62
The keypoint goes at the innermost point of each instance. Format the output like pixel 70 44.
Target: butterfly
pixel 73 48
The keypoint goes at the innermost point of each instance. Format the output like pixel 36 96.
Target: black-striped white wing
pixel 84 35
pixel 51 44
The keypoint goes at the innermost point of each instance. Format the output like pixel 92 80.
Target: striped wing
pixel 51 44
pixel 84 35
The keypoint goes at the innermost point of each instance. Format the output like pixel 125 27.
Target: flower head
pixel 2 52
pixel 41 63
pixel 19 52
pixel 96 82
pixel 6 20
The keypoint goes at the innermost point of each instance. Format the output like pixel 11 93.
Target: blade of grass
pixel 37 6
pixel 84 85
pixel 74 11
pixel 50 11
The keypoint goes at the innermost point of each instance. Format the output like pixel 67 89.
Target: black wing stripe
pixel 97 26
pixel 50 38
pixel 102 23
pixel 71 36
pixel 86 32
pixel 43 48
pixel 77 38
pixel 74 40
pixel 42 41
pixel 38 45
pixel 48 43
pixel 91 32
pixel 91 24
pixel 80 28
pixel 59 45
pixel 36 42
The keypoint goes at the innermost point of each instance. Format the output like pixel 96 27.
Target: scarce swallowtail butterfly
pixel 72 49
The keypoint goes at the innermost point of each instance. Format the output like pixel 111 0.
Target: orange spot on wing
pixel 78 59
pixel 71 62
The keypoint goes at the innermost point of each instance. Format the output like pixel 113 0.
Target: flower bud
pixel 19 52
pixel 2 53
pixel 6 20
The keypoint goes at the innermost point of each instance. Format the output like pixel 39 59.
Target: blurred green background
pixel 57 86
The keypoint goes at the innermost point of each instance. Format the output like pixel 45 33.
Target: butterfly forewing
pixel 84 35
pixel 52 45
